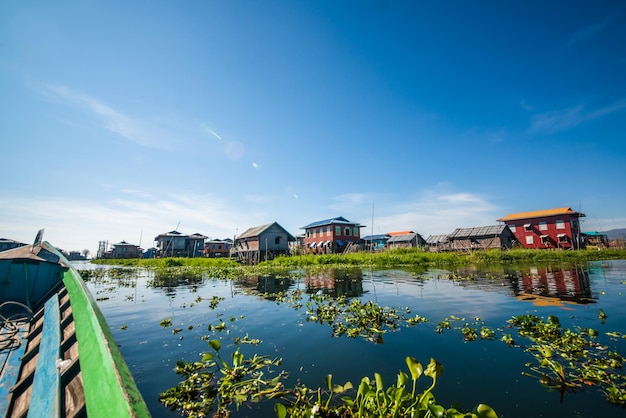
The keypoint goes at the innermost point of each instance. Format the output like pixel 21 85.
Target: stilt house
pixel 481 238
pixel 546 229
pixel 261 243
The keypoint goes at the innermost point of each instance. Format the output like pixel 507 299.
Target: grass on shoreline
pixel 391 258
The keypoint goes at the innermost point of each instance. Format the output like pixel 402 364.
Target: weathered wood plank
pixel 11 359
pixel 45 398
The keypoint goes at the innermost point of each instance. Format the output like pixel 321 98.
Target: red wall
pixel 551 231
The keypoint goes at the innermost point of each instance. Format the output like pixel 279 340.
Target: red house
pixel 548 228
pixel 333 235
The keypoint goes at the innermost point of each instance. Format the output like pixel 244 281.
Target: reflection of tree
pixel 335 282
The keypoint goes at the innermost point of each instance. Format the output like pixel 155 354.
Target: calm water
pixel 480 371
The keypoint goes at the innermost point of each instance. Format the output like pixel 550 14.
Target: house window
pixel 213 246
pixel 346 232
pixel 528 227
pixel 560 224
pixel 545 240
pixel 563 238
pixel 337 230
pixel 308 234
pixel 543 226
pixel 529 239
pixel 328 231
pixel 512 228
pixel 314 231
pixel 277 241
pixel 355 232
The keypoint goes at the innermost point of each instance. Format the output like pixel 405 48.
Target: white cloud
pixel 137 130
pixel 526 106
pixel 433 211
pixel 586 33
pixel 561 120
pixel 76 225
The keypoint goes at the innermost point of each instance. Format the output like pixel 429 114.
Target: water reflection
pixel 335 282
pixel 263 284
pixel 547 285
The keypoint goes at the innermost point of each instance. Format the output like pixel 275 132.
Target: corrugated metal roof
pixel 399 233
pixel 337 220
pixel 402 238
pixel 437 239
pixel 594 234
pixel 375 237
pixel 169 234
pixel 540 213
pixel 255 231
pixel 481 231
pixel 258 230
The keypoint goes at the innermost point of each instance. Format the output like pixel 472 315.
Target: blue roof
pixel 376 237
pixel 337 220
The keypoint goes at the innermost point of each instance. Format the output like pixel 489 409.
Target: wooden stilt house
pixel 481 238
pixel 261 243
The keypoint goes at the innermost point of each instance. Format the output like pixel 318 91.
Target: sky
pixel 122 120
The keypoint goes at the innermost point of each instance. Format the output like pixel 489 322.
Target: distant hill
pixel 615 233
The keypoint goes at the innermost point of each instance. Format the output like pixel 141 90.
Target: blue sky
pixel 122 120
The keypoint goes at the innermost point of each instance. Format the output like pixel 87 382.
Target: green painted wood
pixel 45 397
pixel 11 360
pixel 110 390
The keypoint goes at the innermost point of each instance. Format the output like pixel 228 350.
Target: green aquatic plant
pixel 373 399
pixel 214 386
pixel 572 360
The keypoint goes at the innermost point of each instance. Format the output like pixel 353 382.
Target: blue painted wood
pixel 11 359
pixel 45 397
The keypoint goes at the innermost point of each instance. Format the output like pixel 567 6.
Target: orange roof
pixel 393 234
pixel 540 214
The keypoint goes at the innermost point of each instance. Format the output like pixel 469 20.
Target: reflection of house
pixel 595 238
pixel 375 242
pixel 539 283
pixel 8 244
pixel 481 238
pixel 265 285
pixel 217 247
pixel 437 243
pixel 408 239
pixel 335 235
pixel 125 250
pixel 335 282
pixel 262 242
pixel 175 244
pixel 550 228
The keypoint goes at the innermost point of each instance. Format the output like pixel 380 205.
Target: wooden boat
pixel 58 357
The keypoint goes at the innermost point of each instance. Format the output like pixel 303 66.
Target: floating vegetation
pixel 570 360
pixel 215 300
pixel 216 384
pixel 213 386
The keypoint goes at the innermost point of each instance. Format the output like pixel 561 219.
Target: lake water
pixel 481 371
